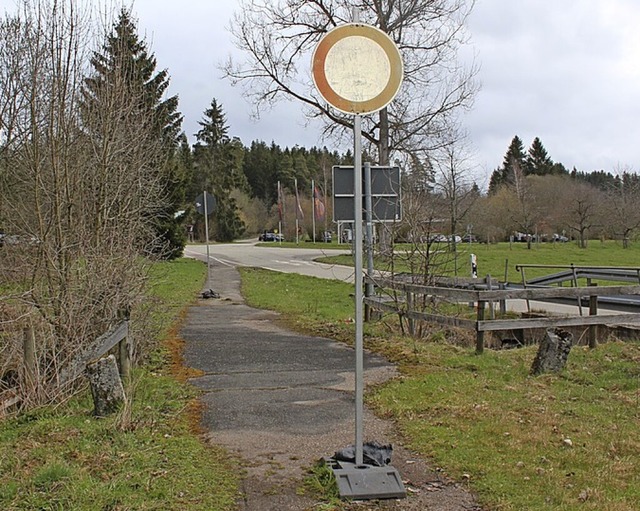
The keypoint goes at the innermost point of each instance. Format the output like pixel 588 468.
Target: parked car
pixel 469 238
pixel 560 238
pixel 270 236
pixel 327 237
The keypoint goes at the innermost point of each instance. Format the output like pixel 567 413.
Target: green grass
pixel 147 457
pixel 334 245
pixel 496 259
pixel 563 442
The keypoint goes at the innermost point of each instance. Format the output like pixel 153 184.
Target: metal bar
pixel 570 266
pixel 524 285
pixel 593 330
pixel 575 284
pixel 368 291
pixel 206 230
pixel 480 333
pixel 357 224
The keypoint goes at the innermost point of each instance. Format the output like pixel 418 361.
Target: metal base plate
pixel 365 482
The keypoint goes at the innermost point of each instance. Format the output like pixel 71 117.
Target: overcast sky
pixel 567 71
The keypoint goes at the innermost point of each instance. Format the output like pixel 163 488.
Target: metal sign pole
pixel 206 229
pixel 357 134
pixel 368 290
pixel 341 72
pixel 313 208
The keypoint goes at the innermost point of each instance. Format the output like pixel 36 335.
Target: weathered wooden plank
pixel 559 292
pixel 506 294
pixel 421 316
pixel 7 400
pixel 463 295
pixel 557 321
pixel 96 349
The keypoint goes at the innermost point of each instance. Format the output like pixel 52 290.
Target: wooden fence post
pixel 410 321
pixel 492 312
pixel 125 345
pixel 29 350
pixel 124 354
pixel 480 334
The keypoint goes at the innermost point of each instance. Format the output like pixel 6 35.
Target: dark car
pixel 270 236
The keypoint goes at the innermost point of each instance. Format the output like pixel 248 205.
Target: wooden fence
pixel 118 335
pixel 484 292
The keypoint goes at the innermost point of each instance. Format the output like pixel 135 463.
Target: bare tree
pixel 277 38
pixel 79 191
pixel 453 184
pixel 622 206
pixel 582 204
pixel 523 212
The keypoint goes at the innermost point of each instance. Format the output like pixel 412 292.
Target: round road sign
pixel 357 68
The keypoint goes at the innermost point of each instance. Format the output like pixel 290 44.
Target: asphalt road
pixel 301 260
pixel 288 260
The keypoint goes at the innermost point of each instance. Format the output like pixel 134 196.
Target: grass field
pixel 147 457
pixel 563 442
pixel 500 259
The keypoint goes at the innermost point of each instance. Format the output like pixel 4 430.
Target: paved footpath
pixel 281 400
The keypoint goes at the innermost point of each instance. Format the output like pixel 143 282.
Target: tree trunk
pixel 553 352
pixel 106 386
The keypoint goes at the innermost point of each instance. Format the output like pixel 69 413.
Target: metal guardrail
pixel 574 273
pixel 484 293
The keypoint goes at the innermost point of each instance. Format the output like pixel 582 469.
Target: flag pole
pixel 280 209
pixel 295 185
pixel 313 208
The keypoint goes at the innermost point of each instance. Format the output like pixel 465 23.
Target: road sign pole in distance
pixel 209 206
pixel 357 68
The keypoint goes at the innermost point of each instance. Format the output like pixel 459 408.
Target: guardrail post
pixel 593 329
pixel 479 334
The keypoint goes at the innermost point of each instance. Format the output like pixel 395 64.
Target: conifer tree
pixel 218 168
pixel 538 162
pixel 514 159
pixel 124 73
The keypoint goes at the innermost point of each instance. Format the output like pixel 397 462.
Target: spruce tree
pixel 218 167
pixel 515 158
pixel 538 162
pixel 125 71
